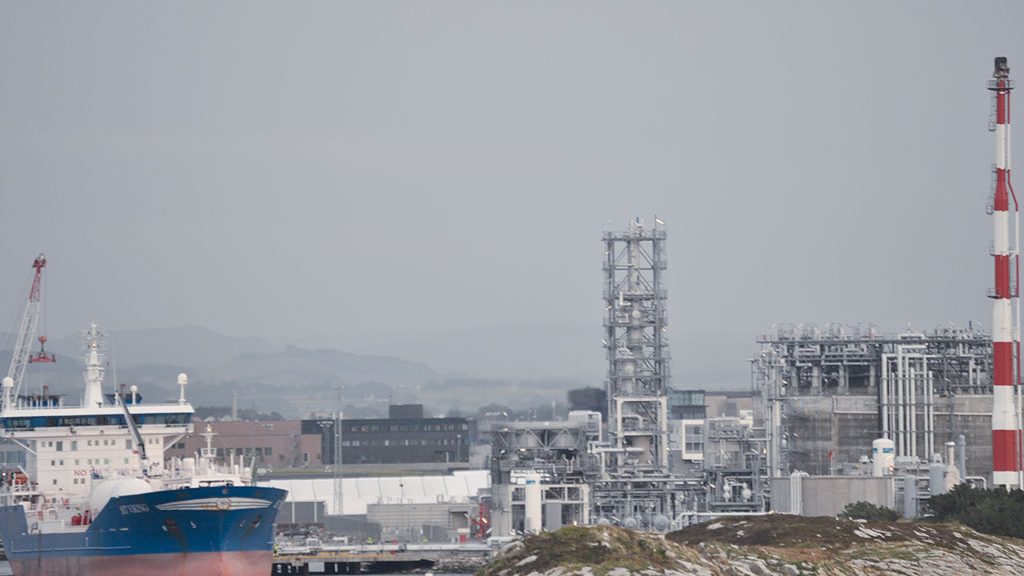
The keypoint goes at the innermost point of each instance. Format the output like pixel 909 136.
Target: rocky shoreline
pixel 770 545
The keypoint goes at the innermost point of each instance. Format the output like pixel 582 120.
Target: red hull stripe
pixel 250 563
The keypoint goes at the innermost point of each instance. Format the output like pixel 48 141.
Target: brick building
pixel 274 444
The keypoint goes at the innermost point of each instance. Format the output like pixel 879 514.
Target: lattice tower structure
pixel 637 348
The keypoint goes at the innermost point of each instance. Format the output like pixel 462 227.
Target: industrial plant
pixel 834 414
pixel 838 414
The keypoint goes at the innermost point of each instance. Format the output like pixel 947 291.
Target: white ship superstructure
pixel 78 457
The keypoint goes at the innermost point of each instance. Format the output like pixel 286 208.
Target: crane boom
pixel 27 330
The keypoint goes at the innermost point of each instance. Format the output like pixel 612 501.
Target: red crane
pixel 22 351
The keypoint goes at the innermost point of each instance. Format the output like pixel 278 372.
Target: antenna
pixel 182 382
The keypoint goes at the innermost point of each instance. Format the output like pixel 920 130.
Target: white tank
pixel 104 490
pixel 533 519
pixel 883 457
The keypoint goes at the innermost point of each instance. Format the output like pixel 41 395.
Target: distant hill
pixel 294 366
pixel 711 360
pixel 193 346
pixel 515 366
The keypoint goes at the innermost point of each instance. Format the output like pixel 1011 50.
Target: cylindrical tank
pixel 937 478
pixel 662 523
pixel 883 457
pixel 533 519
pixel 104 490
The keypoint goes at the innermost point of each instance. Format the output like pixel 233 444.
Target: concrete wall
pixel 413 522
pixel 972 417
pixel 828 495
pixel 293 512
pixel 846 426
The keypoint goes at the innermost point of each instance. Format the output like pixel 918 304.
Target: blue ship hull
pixel 218 530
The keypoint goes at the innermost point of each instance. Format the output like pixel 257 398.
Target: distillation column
pixel 637 348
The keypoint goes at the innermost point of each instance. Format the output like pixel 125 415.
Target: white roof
pixel 358 492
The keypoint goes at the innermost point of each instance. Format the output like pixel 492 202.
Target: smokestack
pixel 1005 333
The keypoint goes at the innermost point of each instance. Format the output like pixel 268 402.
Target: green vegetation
pixel 771 544
pixel 996 511
pixel 600 549
pixel 868 511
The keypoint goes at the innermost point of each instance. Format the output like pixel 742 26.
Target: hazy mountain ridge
pixel 188 345
pixel 515 366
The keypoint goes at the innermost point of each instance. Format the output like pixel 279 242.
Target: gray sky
pixel 397 168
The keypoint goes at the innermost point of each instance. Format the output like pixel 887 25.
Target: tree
pixel 996 511
pixel 868 511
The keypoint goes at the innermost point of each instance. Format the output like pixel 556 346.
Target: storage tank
pixel 104 490
pixel 883 457
pixel 533 518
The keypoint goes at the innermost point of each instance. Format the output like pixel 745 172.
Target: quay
pixel 379 558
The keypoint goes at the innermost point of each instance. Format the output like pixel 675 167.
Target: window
pixel 128 444
pixel 305 457
pixel 55 481
pixel 267 450
pixel 74 445
pixel 60 446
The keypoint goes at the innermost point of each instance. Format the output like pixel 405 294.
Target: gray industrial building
pixel 404 437
pixel 418 522
pixel 828 394
pixel 834 416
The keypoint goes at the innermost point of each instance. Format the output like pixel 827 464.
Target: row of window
pixel 405 427
pixel 88 462
pixel 58 445
pixel 405 442
pixel 224 452
pixel 95 420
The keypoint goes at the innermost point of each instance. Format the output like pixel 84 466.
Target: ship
pixel 96 497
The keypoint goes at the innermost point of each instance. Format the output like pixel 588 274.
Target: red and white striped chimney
pixel 1005 434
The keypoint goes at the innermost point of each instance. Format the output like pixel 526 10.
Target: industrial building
pixel 404 437
pixel 827 394
pixel 404 508
pixel 272 444
pixel 626 467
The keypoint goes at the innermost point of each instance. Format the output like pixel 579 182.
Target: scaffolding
pixel 890 385
pixel 637 349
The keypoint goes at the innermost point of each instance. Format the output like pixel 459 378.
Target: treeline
pixel 995 511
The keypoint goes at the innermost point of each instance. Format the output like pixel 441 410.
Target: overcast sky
pixel 288 169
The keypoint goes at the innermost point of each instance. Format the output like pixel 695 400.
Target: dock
pixel 379 559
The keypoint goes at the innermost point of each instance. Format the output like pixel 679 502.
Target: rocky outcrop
pixel 762 546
